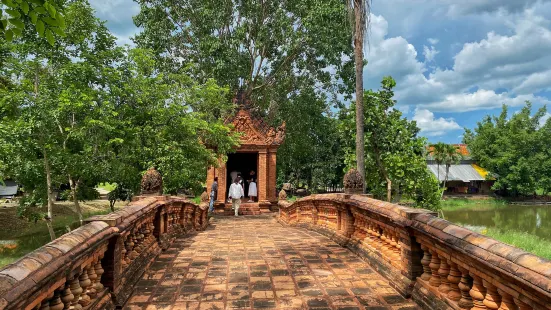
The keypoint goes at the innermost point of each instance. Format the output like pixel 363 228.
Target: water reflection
pixel 535 220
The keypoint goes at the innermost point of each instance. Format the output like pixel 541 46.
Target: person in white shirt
pixel 252 190
pixel 236 192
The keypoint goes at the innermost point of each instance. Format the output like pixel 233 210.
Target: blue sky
pixel 454 61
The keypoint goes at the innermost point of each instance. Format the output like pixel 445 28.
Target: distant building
pixel 466 177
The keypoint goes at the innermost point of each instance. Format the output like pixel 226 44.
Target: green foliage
pixel 528 242
pixel 515 150
pixel 43 15
pixel 395 155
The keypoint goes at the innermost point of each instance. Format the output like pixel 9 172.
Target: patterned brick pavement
pixel 255 263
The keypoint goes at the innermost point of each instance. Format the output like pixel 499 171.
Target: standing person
pixel 252 190
pixel 213 194
pixel 234 175
pixel 236 192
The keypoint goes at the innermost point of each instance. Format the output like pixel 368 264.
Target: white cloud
pixel 464 7
pixel 544 119
pixel 431 126
pixel 429 53
pixel 433 41
pixel 481 100
pixel 517 64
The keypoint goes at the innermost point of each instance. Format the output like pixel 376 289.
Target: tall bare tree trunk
pixel 445 181
pixel 74 193
pixel 359 31
pixel 383 171
pixel 49 218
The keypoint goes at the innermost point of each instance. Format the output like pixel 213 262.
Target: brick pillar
pixel 262 176
pixel 222 182
pixel 272 174
pixel 210 178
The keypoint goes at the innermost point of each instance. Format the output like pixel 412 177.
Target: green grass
pixel 459 203
pixel 196 200
pixel 24 237
pixel 107 186
pixel 522 240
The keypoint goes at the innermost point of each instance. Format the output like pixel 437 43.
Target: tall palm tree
pixel 451 156
pixel 438 151
pixel 359 13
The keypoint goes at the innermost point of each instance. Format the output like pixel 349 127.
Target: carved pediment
pixel 255 131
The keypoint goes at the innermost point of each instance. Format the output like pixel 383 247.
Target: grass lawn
pixel 19 236
pixel 461 203
pixel 522 240
pixel 107 186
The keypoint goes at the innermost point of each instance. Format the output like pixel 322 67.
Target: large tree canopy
pixel 262 46
pixel 515 149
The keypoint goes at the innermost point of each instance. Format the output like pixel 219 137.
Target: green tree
pixel 513 149
pixel 447 154
pixel 395 155
pixel 45 16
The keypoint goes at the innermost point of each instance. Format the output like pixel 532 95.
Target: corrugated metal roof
pixel 9 188
pixel 460 172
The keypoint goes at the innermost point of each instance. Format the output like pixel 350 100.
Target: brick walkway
pixel 255 263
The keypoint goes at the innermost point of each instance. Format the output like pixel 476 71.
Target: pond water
pixel 535 220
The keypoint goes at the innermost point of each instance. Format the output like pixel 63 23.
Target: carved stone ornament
pixel 255 131
pixel 152 182
pixel 282 195
pixel 353 183
pixel 205 197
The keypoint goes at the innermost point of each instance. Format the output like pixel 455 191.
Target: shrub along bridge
pixel 335 251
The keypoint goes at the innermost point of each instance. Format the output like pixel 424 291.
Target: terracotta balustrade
pixel 97 265
pixel 438 264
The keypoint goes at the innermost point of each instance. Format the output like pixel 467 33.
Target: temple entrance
pixel 242 164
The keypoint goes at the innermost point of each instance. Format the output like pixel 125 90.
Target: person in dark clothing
pixel 213 194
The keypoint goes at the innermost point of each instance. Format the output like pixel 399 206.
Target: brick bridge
pixel 321 252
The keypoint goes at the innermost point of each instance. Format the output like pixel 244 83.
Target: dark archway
pixel 242 163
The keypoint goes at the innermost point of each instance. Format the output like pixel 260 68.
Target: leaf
pixel 17 31
pixel 14 13
pixel 9 3
pixel 58 31
pixel 50 21
pixel 25 7
pixel 17 23
pixel 50 8
pixel 50 37
pixel 33 17
pixel 9 35
pixel 38 2
pixel 61 20
pixel 40 10
pixel 40 28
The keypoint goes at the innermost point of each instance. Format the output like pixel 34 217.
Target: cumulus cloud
pixel 431 126
pixel 480 100
pixel 464 7
pixel 118 14
pixel 429 53
pixel 502 69
pixel 433 41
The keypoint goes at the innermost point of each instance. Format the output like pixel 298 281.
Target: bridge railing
pixel 97 265
pixel 439 264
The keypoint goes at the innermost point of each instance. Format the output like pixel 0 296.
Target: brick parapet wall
pixel 97 265
pixel 439 264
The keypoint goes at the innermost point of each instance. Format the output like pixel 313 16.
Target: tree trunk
pixel 383 172
pixel 74 193
pixel 445 181
pixel 50 216
pixel 388 189
pixel 359 61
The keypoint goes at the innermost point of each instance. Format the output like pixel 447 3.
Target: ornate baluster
pixel 128 244
pixel 444 272
pixel 507 302
pixel 77 291
pixel 425 261
pixel 85 283
pixel 99 272
pixel 466 302
pixel 55 302
pixel 434 266
pixel 521 305
pixel 477 292
pixel 397 247
pixel 377 234
pixel 133 236
pixel 45 305
pixel 454 278
pixel 492 299
pixel 67 296
pixel 384 243
pixel 93 278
